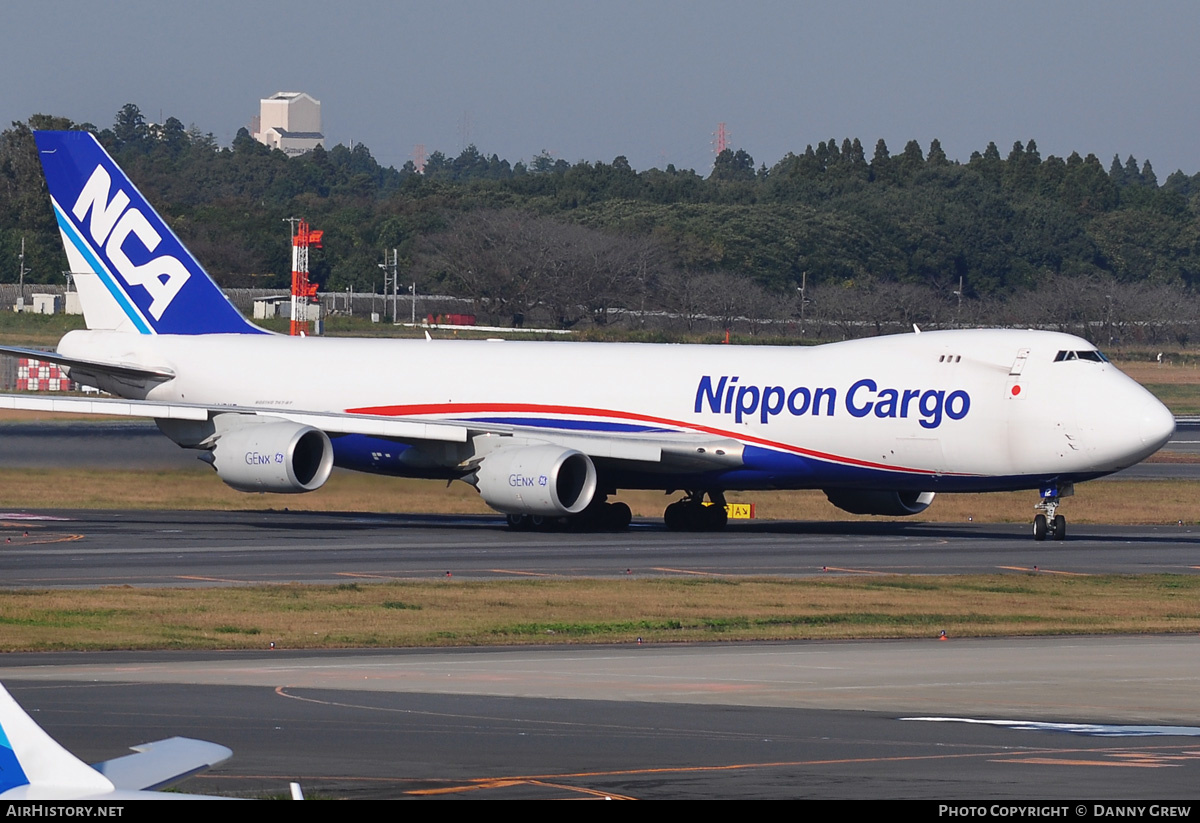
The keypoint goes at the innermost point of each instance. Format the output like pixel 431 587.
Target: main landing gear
pixel 598 517
pixel 691 515
pixel 1047 522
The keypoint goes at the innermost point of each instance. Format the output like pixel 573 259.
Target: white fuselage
pixel 955 410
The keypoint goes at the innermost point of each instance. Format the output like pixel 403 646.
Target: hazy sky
pixel 648 80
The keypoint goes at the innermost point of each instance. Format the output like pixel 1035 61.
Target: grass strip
pixel 473 613
pixel 1182 399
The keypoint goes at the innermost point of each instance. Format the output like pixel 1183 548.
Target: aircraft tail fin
pixel 30 757
pixel 132 273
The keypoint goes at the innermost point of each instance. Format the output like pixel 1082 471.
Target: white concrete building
pixel 290 121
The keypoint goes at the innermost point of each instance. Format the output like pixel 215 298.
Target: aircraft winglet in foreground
pixel 548 431
pixel 33 766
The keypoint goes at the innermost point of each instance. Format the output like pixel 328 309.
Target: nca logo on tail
pixel 112 222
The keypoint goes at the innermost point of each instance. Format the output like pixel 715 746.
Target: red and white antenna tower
pixel 302 291
pixel 721 141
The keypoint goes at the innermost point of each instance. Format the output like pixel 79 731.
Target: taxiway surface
pixel 957 720
pixel 153 548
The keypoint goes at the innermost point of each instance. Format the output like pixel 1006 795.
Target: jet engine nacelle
pixel 892 504
pixel 279 457
pixel 545 480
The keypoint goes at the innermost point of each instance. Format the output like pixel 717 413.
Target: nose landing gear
pixel 691 515
pixel 1048 523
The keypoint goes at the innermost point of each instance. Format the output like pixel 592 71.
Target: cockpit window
pixel 1094 355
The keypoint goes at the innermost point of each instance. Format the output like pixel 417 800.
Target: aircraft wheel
pixel 715 518
pixel 518 522
pixel 601 517
pixel 1060 527
pixel 620 517
pixel 1039 527
pixel 675 517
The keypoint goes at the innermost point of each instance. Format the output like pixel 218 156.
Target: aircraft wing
pixel 667 450
pixel 329 422
pixel 670 451
pixel 162 763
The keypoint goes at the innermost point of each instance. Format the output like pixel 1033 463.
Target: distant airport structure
pixel 289 121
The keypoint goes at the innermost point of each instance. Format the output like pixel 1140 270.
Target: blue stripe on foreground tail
pixel 11 773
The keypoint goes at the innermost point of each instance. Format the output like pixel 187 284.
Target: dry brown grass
pixel 1176 384
pixel 1173 457
pixel 28 416
pixel 450 612
pixel 1104 502
pixel 1169 373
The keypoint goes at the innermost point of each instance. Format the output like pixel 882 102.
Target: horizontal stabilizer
pixel 90 366
pixel 163 763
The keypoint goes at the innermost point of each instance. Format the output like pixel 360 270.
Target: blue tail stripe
pixel 101 271
pixel 11 773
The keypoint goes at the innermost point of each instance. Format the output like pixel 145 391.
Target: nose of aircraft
pixel 1122 422
pixel 1155 423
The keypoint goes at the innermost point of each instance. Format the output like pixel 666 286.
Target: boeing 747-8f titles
pixel 548 431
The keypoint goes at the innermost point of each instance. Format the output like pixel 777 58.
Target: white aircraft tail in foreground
pixel 33 766
pixel 548 431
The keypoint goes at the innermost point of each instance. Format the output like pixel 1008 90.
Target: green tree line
pixel 577 240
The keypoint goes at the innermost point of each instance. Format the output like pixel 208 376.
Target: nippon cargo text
pixel 725 395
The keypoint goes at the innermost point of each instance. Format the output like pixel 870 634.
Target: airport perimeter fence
pixel 357 304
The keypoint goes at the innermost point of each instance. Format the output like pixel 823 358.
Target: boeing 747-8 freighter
pixel 549 430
